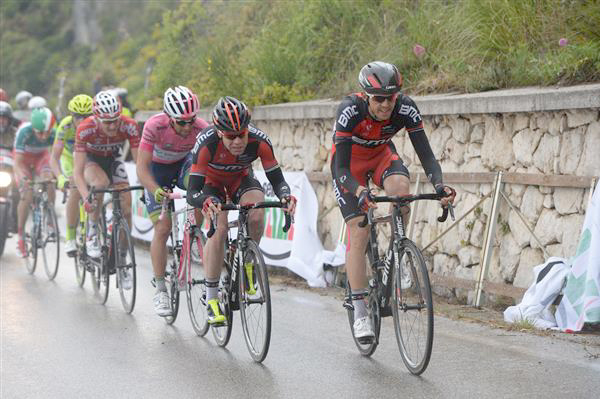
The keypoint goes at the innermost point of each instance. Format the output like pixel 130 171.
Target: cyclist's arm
pixel 57 149
pixel 201 156
pixel 343 154
pixel 20 165
pixel 430 164
pixel 144 171
pixel 134 154
pixel 273 170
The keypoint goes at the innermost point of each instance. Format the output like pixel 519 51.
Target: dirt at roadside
pixel 490 317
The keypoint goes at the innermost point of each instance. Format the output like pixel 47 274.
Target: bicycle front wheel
pixel 31 240
pixel 124 257
pixel 255 302
pixel 50 241
pixel 195 288
pixel 80 267
pixel 412 308
pixel 101 270
pixel 172 283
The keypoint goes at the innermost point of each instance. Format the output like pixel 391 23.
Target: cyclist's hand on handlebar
pixel 290 201
pixel 449 191
pixel 61 180
pixel 211 207
pixel 365 200
pixel 160 194
pixel 89 206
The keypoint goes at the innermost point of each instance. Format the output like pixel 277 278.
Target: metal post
pixel 592 186
pixel 489 237
pixel 415 207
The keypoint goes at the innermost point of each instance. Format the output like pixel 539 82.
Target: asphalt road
pixel 57 342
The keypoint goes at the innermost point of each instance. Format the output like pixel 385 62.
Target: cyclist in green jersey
pixel 61 161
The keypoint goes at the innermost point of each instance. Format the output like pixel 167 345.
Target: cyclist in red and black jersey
pixel 221 171
pixel 364 127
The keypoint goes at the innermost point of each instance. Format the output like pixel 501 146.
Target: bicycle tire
pixel 195 289
pixel 80 267
pixel 366 348
pixel 124 261
pixel 258 338
pixel 31 240
pixel 4 225
pixel 50 256
pixel 222 333
pixel 412 306
pixel 172 283
pixel 101 274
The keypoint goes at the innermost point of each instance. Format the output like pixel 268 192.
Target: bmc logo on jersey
pixel 410 111
pixel 260 134
pixel 346 114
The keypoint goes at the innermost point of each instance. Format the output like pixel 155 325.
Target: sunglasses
pixel 234 135
pixel 109 121
pixel 381 99
pixel 80 116
pixel 182 122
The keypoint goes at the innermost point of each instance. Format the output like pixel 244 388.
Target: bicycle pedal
pixel 366 340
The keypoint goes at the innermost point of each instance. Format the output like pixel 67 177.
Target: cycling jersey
pixel 26 142
pixel 90 137
pixel 66 133
pixel 214 165
pixel 160 138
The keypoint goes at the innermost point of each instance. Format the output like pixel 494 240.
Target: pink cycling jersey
pixel 159 138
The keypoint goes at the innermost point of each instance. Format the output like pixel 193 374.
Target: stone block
pixel 477 234
pixel 477 133
pixel 571 150
pixel 532 203
pixel 547 150
pixel 581 117
pixel 496 151
pixel 529 259
pixel 438 139
pixel 557 124
pixel 525 143
pixel 518 230
pixel 556 250
pixel 567 200
pixel 468 256
pixel 546 228
pixel 473 151
pixel 460 129
pixel 548 201
pixel 571 226
pixel 510 252
pixel 444 265
pixel 590 160
pixel 455 151
pixel 520 121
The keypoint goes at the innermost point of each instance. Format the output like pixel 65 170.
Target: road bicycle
pixel 41 230
pixel 244 285
pixel 399 286
pixel 117 252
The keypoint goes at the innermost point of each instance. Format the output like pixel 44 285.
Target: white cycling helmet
pixel 180 103
pixel 22 98
pixel 106 105
pixel 36 102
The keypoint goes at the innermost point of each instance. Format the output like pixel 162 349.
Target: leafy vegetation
pixel 278 51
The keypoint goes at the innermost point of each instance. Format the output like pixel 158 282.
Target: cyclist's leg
pixel 72 208
pixel 395 178
pixel 95 175
pixel 26 195
pixel 250 191
pixel 120 179
pixel 43 170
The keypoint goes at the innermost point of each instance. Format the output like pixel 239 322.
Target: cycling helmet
pixel 6 110
pixel 180 103
pixel 42 119
pixel 230 114
pixel 380 79
pixel 106 106
pixel 36 102
pixel 81 104
pixel 3 95
pixel 22 98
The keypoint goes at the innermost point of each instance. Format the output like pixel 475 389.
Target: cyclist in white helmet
pixel 36 102
pixel 22 98
pixel 164 162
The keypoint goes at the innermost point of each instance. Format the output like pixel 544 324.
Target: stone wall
pixel 539 131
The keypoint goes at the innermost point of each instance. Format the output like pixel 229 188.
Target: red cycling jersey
pixel 90 137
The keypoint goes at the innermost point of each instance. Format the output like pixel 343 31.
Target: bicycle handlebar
pixel 165 203
pixel 407 199
pixel 247 207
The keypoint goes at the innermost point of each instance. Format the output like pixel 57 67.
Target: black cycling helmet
pixel 230 114
pixel 380 79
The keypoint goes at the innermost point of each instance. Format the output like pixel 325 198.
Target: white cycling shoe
pixel 92 247
pixel 162 307
pixel 363 329
pixel 71 248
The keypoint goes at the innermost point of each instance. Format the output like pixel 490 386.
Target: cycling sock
pixel 91 231
pixel 160 284
pixel 360 306
pixel 212 288
pixel 70 235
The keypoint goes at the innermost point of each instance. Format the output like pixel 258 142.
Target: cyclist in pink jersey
pixel 164 162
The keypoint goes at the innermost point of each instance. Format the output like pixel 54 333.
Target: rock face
pixel 548 143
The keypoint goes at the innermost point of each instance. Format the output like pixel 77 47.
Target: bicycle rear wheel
pixel 255 302
pixel 31 240
pixel 50 241
pixel 172 283
pixel 195 289
pixel 124 256
pixel 412 308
